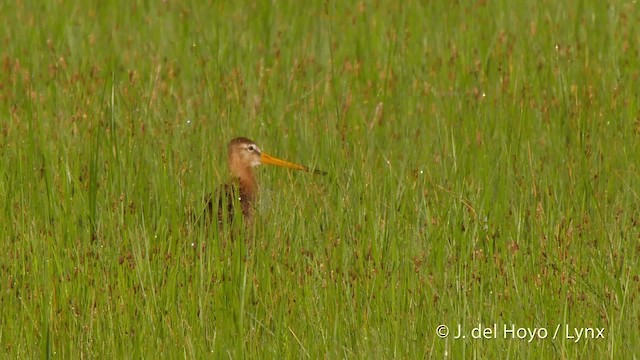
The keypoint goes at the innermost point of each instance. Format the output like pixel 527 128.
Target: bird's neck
pixel 247 183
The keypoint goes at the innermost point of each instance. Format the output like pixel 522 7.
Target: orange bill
pixel 268 159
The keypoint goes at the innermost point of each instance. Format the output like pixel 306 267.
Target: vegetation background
pixel 483 169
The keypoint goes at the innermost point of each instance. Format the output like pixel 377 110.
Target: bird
pixel 243 155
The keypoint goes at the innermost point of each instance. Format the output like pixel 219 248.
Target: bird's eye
pixel 251 148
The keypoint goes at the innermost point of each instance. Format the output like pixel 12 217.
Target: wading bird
pixel 243 155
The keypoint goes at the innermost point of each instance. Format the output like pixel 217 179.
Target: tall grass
pixel 482 159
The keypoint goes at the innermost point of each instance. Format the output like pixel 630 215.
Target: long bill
pixel 268 159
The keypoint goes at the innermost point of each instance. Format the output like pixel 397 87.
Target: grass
pixel 482 159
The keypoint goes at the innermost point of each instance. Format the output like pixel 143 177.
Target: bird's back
pixel 225 200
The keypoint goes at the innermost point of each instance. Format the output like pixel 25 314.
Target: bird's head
pixel 245 154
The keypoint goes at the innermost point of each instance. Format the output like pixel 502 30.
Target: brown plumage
pixel 243 155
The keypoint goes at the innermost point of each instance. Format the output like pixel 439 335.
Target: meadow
pixel 483 169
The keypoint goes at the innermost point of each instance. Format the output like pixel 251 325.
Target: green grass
pixel 483 169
